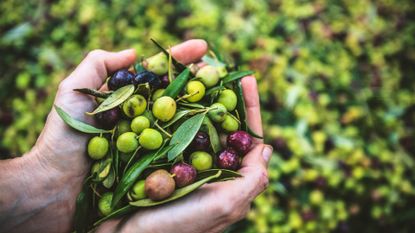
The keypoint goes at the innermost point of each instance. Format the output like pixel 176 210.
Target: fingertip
pixel 249 83
pixel 129 54
pixel 190 51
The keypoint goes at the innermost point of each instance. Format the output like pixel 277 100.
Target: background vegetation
pixel 337 81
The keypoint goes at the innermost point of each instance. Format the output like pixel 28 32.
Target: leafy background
pixel 337 81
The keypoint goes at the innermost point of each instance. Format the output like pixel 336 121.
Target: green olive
pixel 196 89
pixel 230 124
pixel 98 147
pixel 209 75
pixel 201 160
pixel 218 112
pixel 139 124
pixel 151 139
pixel 157 94
pixel 123 127
pixel 222 71
pixel 164 108
pixel 228 99
pixel 157 64
pixel 138 190
pixel 95 168
pixel 104 204
pixel 134 106
pixel 127 142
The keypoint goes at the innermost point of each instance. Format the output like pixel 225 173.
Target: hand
pixel 214 206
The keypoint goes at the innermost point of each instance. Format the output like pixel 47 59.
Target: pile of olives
pixel 144 110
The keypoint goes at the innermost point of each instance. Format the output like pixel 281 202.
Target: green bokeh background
pixel 336 79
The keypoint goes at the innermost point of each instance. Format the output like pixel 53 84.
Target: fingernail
pixel 267 152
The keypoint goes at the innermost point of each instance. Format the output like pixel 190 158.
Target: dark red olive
pixel 164 81
pixel 119 79
pixel 241 141
pixel 200 142
pixel 147 76
pixel 228 159
pixel 108 119
pixel 184 173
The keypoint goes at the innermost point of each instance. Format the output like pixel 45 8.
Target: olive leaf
pixel 214 90
pixel 240 106
pixel 83 208
pixel 252 133
pixel 235 75
pixel 134 172
pixel 213 135
pixel 78 125
pixel 115 99
pixel 174 88
pixel 178 193
pixel 212 61
pixel 110 179
pixel 184 135
pixel 117 213
pixel 177 116
pixel 225 175
pixel 191 105
pixel 179 66
pixel 93 92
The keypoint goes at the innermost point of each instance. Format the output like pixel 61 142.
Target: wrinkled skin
pixel 38 191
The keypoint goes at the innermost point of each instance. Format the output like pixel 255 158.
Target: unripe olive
pixel 201 160
pixel 208 75
pixel 222 71
pixel 134 106
pixel 104 204
pixel 196 89
pixel 230 124
pixel 139 124
pixel 127 142
pixel 150 139
pixel 157 94
pixel 98 147
pixel 138 190
pixel 123 127
pixel 157 64
pixel 228 98
pixel 95 168
pixel 218 112
pixel 159 185
pixel 164 108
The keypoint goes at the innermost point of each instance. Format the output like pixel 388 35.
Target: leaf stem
pixel 162 130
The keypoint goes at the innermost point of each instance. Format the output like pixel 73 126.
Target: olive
pixel 147 77
pixel 127 142
pixel 95 167
pixel 200 141
pixel 157 94
pixel 228 98
pixel 184 174
pixel 228 159
pixel 241 141
pixel 157 64
pixel 222 71
pixel 123 127
pixel 164 108
pixel 150 139
pixel 119 79
pixel 138 190
pixel 98 147
pixel 196 89
pixel 134 106
pixel 230 124
pixel 108 119
pixel 201 160
pixel 208 75
pixel 104 204
pixel 164 81
pixel 218 112
pixel 139 124
pixel 159 185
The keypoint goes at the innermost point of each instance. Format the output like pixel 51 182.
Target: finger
pixel 250 92
pixel 189 51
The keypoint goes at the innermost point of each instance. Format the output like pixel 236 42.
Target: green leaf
pixel 179 66
pixel 179 115
pixel 117 214
pixel 138 67
pixel 184 135
pixel 191 105
pixel 115 99
pixel 214 90
pixel 83 208
pixel 253 134
pixel 93 92
pixel 225 175
pixel 134 172
pixel 174 88
pixel 78 125
pixel 213 135
pixel 236 75
pixel 181 192
pixel 212 61
pixel 240 106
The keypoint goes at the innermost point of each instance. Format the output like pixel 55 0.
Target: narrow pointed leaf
pixel 240 106
pixel 83 208
pixel 116 214
pixel 236 75
pixel 174 88
pixel 93 92
pixel 115 99
pixel 179 115
pixel 225 175
pixel 213 135
pixel 179 66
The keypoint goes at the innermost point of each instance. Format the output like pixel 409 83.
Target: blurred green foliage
pixel 337 81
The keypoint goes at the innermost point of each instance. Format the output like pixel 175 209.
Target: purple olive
pixel 147 76
pixel 241 141
pixel 164 81
pixel 184 173
pixel 119 79
pixel 228 159
pixel 108 119
pixel 200 142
